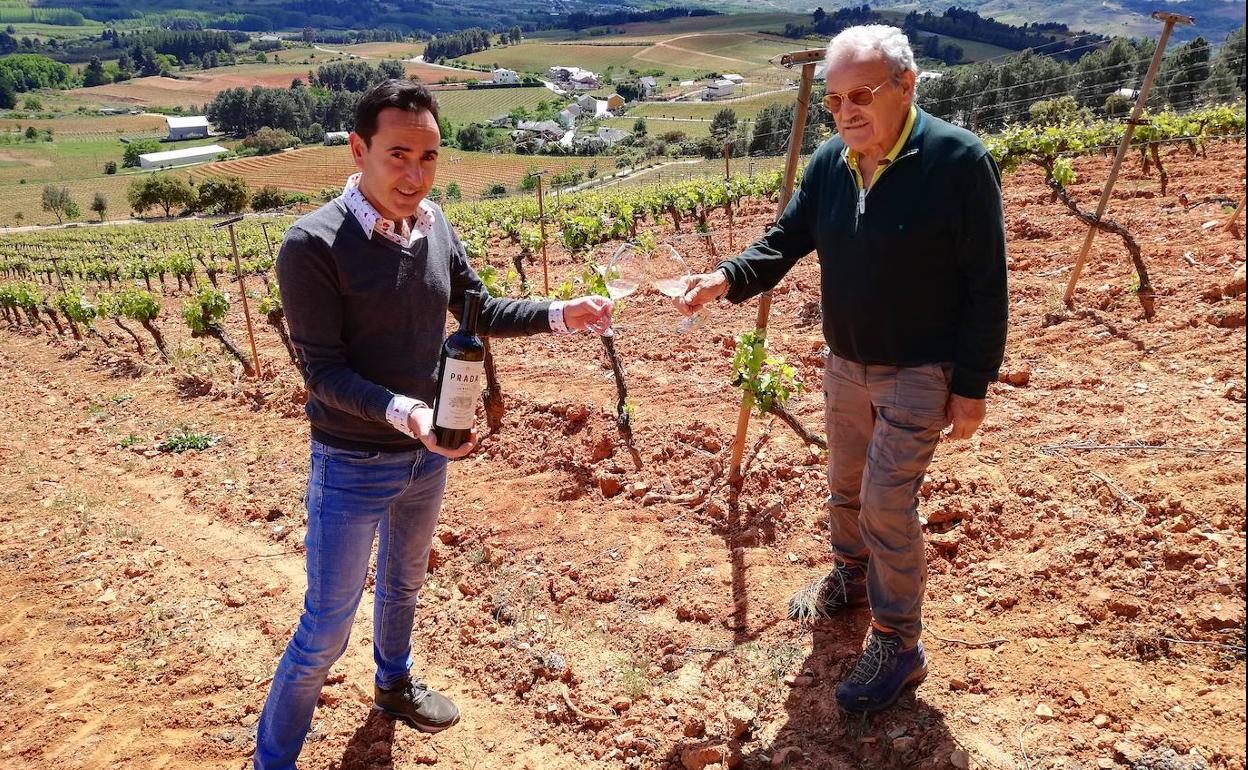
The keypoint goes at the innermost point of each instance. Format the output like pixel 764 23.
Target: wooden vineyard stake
pixel 1145 292
pixel 242 289
pixel 1232 224
pixel 541 223
pixel 264 226
pixel 808 59
pixel 732 246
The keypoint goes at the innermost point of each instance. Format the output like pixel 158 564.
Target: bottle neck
pixel 472 312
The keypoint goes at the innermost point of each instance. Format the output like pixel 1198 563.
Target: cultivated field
pixel 747 107
pixel 480 104
pixel 192 90
pixel 92 126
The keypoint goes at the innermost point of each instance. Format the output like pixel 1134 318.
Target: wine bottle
pixel 461 376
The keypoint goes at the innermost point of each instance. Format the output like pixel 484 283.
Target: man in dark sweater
pixel 904 211
pixel 366 282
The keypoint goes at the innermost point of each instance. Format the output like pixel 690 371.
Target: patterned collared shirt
pixel 408 231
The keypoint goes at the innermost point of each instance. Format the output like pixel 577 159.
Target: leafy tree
pixel 1182 73
pixel 266 198
pixel 125 68
pixel 470 137
pixel 30 72
pixel 457 44
pixel 1226 71
pixel 453 193
pixel 99 204
pixel 1117 106
pixel 59 202
pixel 227 195
pixel 130 157
pixel 8 91
pixel 164 190
pixel 390 70
pixel 1059 111
pixel 268 140
pixel 639 127
pixel 724 124
pixel 94 74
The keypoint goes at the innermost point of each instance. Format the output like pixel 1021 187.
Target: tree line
pixel 954 22
pixel 458 44
pixel 326 102
pixel 991 94
pixel 578 20
pixel 27 72
pixel 185 46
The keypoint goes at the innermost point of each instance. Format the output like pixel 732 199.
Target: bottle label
pixel 462 382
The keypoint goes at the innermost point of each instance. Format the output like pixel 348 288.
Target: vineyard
pixel 598 597
pixel 745 108
pixel 312 169
pixel 479 105
pixel 111 126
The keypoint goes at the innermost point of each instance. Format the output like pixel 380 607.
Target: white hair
pixel 890 42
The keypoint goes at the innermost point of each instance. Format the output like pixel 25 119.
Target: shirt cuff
pixel 398 410
pixel 555 314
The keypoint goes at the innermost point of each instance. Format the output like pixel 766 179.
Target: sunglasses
pixel 861 96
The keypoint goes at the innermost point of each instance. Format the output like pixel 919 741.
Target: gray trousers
pixel 883 425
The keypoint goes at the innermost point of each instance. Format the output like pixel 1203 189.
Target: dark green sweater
pixel 919 276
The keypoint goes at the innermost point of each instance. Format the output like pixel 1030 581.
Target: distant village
pixel 530 136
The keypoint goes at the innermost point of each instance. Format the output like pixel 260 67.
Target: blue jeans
pixel 351 496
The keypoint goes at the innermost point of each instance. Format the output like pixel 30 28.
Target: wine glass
pixel 624 274
pixel 667 274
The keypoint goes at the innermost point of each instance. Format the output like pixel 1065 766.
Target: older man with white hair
pixel 905 213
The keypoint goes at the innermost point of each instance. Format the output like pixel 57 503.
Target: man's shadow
pixel 818 735
pixel 371 746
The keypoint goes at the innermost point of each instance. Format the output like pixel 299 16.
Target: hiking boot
pixel 415 704
pixel 883 672
pixel 845 586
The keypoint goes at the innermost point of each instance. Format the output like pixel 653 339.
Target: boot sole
pixel 412 723
pixel 909 686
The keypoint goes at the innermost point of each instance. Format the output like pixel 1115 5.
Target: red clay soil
pixel 592 607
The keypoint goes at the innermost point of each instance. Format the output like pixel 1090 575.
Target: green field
pixel 537 57
pixel 682 55
pixel 70 158
pixel 387 50
pixel 746 108
pixel 694 129
pixel 479 105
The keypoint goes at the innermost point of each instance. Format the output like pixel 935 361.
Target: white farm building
pixel 183 157
pixel 720 89
pixel 193 127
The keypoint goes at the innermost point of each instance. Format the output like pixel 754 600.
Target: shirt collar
pixel 851 156
pixel 371 221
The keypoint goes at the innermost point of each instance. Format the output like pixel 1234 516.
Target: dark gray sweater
pixel 368 316
pixel 918 275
